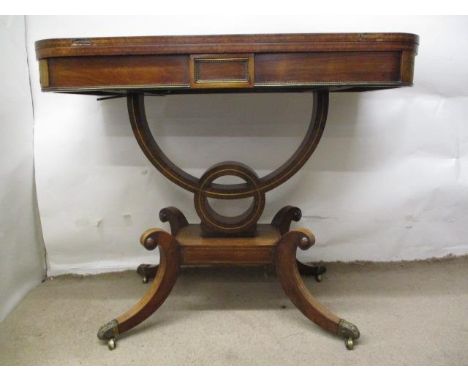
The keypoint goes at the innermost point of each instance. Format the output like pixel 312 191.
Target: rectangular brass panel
pixel 221 71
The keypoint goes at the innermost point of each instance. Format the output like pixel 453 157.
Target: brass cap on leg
pixel 108 331
pixel 350 332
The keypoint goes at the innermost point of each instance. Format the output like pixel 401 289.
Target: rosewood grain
pixel 213 44
pixel 199 250
pixel 327 68
pixel 121 71
pixel 160 288
pixel 184 64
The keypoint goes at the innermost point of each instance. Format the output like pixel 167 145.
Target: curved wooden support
pixel 282 222
pixel 295 289
pixel 307 147
pixel 177 221
pixel 175 217
pixel 166 277
pixel 142 132
pixel 212 223
pixel 149 146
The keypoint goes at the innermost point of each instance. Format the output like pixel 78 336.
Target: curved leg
pixel 177 221
pixel 282 222
pixel 287 270
pixel 159 290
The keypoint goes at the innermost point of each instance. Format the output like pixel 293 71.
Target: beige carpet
pixel 408 313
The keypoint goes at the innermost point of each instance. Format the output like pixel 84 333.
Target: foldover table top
pixel 227 63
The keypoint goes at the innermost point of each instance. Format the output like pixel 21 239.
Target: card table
pixel 135 67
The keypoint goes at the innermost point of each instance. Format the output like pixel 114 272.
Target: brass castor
pixel 109 333
pixel 349 342
pixel 318 278
pixel 111 344
pixel 349 332
pixel 145 280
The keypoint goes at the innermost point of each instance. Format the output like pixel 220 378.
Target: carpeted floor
pixel 412 313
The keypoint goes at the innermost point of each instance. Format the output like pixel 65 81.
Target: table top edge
pixel 307 42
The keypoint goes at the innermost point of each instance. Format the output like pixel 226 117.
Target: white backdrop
pixel 388 181
pixel 21 247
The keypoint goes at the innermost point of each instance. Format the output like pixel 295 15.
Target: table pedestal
pixel 222 240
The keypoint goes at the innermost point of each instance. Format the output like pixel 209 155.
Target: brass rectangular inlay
pixel 221 71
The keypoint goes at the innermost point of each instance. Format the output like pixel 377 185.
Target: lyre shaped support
pixel 150 147
pixel 214 224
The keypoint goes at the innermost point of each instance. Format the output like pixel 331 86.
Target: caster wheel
pixel 349 342
pixel 145 280
pixel 318 278
pixel 111 344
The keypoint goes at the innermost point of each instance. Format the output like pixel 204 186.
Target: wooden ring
pixel 213 222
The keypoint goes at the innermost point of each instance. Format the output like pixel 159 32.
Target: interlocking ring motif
pixel 213 222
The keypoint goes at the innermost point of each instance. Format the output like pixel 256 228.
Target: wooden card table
pixel 135 67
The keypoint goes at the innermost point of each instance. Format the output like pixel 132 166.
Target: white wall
pixel 21 246
pixel 388 182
